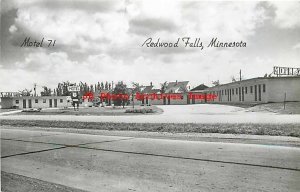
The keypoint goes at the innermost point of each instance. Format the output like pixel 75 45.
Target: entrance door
pixel 193 99
pixel 188 99
pixel 164 100
pixel 24 103
pixel 255 93
pixel 228 95
pixel 50 102
pixel 169 100
pixel 259 92
pixel 55 102
pixel 243 94
pixel 29 103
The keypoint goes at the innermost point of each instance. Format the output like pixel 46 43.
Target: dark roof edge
pixel 257 78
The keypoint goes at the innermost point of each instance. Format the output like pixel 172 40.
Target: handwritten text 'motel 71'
pixel 28 43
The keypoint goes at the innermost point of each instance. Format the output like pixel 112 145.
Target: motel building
pixel 257 90
pixel 24 102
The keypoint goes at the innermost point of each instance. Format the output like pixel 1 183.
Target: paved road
pixel 201 113
pixel 117 163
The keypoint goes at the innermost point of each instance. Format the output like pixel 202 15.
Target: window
pixel 36 101
pixel 225 91
pixel 264 87
pixel 246 90
pixel 61 100
pixel 17 101
pixel 232 91
pixel 236 90
pixel 255 94
pixel 222 92
pixel 251 89
pixel 44 100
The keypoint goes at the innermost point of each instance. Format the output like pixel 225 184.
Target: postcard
pixel 150 95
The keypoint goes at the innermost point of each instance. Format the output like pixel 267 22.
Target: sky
pixel 102 41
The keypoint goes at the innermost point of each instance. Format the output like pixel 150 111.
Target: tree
pixel 136 89
pixel 120 89
pixel 106 85
pixel 85 88
pixel 47 91
pixel 25 92
pixel 163 87
pixel 62 88
pixel 216 83
pixel 98 86
pixel 233 79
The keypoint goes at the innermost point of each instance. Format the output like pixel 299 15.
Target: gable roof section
pixel 199 87
pixel 177 87
pixel 146 89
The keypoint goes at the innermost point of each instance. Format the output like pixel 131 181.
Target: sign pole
pixel 284 101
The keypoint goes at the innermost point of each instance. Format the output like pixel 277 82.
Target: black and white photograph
pixel 150 95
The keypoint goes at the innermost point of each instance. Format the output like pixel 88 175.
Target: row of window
pixel 226 91
pixel 37 101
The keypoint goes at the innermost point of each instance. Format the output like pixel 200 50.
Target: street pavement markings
pixel 189 158
pixel 122 166
pixel 60 146
pixel 91 146
pixel 31 152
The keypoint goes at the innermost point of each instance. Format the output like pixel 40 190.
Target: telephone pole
pixel 240 75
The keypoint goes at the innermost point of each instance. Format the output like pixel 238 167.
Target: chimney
pixel 151 83
pixel 176 82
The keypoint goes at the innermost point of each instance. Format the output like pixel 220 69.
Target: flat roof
pixel 256 78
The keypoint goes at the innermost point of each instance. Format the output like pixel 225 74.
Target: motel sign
pixel 74 95
pixel 73 88
pixel 286 71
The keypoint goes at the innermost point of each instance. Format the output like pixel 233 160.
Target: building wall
pixel 241 92
pixel 259 90
pixel 164 101
pixel 278 88
pixel 6 102
pixel 40 102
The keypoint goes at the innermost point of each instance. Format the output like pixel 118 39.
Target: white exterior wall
pixel 278 88
pixel 236 89
pixel 6 102
pixel 41 103
pixel 161 101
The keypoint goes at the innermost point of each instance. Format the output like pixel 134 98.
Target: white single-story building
pixel 25 102
pixel 257 90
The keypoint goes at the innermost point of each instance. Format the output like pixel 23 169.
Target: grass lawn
pixel 290 108
pixel 93 111
pixel 8 110
pixel 224 128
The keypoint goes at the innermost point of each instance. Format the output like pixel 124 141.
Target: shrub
pixel 142 110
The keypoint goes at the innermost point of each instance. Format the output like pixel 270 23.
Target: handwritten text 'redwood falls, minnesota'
pixel 188 42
